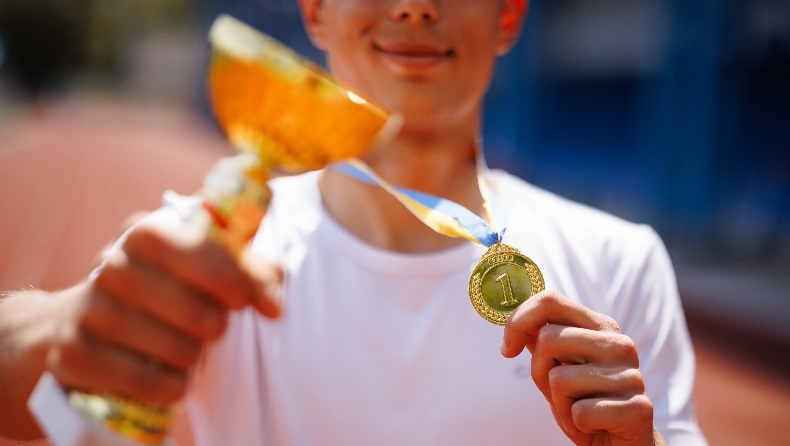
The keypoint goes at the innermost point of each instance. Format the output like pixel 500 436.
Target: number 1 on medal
pixel 507 290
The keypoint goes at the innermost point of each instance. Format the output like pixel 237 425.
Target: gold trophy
pixel 282 113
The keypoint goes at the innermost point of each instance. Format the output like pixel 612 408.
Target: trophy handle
pixel 235 199
pixel 64 425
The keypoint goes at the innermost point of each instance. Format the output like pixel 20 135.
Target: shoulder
pixel 598 258
pixel 555 216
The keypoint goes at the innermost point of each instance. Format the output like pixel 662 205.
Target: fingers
pixel 586 369
pixel 152 292
pixel 549 307
pixel 573 383
pixel 139 326
pixel 115 323
pixel 83 362
pixel 558 345
pixel 570 363
pixel 188 256
pixel 627 418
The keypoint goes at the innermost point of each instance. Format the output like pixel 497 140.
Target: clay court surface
pixel 71 173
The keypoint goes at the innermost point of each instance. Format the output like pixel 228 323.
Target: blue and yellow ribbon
pixel 443 216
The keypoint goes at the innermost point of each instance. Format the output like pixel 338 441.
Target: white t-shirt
pixel 384 348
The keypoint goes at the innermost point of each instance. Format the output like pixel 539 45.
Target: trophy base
pixel 65 426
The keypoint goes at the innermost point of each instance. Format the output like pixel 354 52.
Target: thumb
pixel 268 277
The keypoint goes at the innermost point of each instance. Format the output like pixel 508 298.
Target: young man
pixel 368 335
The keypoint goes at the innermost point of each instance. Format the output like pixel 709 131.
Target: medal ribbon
pixel 443 216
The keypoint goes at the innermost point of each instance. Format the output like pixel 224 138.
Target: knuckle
pixel 581 413
pixel 150 244
pixel 641 406
pixel 631 379
pixel 122 280
pixel 546 336
pixel 633 358
pixel 141 239
pixel 159 387
pixel 635 377
pixel 102 316
pixel 184 354
pixel 137 240
pixel 233 285
pixel 625 348
pixel 549 299
pixel 210 323
pixel 123 283
pixel 617 344
pixel 219 324
pixel 547 339
pixel 608 323
pixel 111 270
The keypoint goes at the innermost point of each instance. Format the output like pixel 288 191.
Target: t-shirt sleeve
pixel 646 303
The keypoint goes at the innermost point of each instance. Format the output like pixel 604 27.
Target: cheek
pixel 346 35
pixel 480 59
pixel 346 63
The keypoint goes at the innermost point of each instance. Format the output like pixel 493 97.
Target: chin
pixel 422 126
pixel 430 118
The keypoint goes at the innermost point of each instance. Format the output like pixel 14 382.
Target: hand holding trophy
pixel 281 113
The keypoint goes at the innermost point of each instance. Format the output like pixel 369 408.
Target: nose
pixel 415 11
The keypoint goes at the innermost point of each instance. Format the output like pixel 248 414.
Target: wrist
pixel 26 330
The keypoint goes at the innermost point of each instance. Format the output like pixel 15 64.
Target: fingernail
pixel 503 348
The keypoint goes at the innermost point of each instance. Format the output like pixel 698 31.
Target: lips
pixel 410 57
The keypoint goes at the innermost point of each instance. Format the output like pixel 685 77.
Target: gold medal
pixel 503 280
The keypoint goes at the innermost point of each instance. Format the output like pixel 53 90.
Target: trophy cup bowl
pixel 286 110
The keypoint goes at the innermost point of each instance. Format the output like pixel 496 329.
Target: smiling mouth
pixel 411 57
pixel 409 50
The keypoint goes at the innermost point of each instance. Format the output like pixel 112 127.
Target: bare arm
pixel 25 328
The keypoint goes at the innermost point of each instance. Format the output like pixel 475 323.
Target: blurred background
pixel 674 113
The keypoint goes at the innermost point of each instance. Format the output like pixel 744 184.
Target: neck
pixel 440 163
